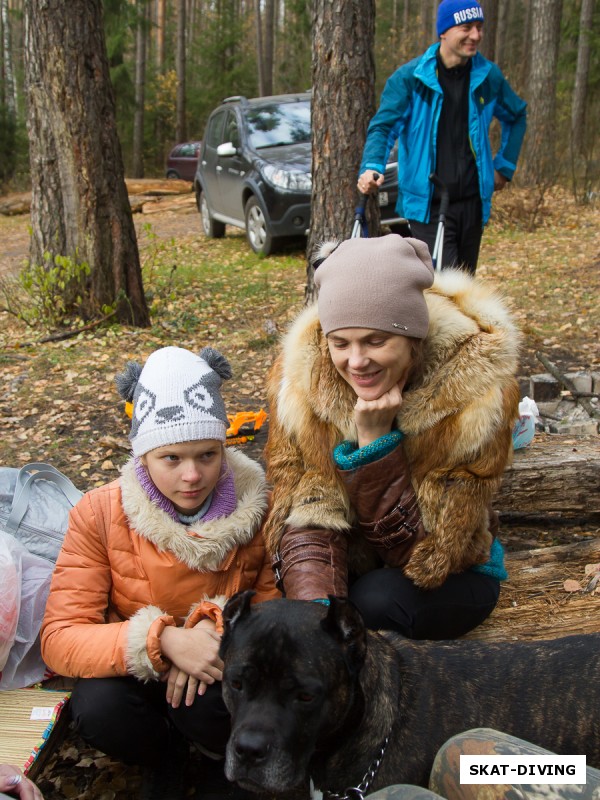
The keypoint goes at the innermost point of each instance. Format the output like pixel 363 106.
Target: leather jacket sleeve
pixel 312 563
pixel 385 503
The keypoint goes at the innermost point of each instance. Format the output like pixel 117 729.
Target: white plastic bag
pixel 24 665
pixel 524 429
pixel 10 600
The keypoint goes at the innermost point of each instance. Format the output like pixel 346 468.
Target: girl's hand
pixel 194 653
pixel 374 418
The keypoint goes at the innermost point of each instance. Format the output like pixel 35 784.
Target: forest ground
pixel 58 402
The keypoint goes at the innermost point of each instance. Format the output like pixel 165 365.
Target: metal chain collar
pixel 358 792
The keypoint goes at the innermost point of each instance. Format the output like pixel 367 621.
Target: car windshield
pixel 279 124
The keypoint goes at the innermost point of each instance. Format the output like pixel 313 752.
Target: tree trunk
pixel 181 127
pixel 343 103
pixel 490 11
pixel 160 35
pixel 540 161
pixel 79 200
pixel 140 84
pixel 581 77
pixel 260 55
pixel 10 85
pixel 503 11
pixel 268 46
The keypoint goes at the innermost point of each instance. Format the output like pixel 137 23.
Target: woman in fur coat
pixel 148 561
pixel 392 405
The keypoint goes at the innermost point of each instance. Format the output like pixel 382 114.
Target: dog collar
pixel 358 792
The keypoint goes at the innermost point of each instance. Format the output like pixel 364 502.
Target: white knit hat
pixel 175 398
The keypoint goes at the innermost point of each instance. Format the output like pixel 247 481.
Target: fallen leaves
pixel 591 586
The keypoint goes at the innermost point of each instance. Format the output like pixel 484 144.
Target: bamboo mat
pixel 21 737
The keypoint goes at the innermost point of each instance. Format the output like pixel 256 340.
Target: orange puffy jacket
pixel 127 568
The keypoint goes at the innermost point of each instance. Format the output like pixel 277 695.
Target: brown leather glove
pixel 382 495
pixel 312 563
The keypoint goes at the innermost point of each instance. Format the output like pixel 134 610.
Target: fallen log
pixel 554 474
pixel 156 186
pixel 178 203
pixel 15 204
pixel 534 603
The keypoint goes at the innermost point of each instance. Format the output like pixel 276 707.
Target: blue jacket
pixel 410 111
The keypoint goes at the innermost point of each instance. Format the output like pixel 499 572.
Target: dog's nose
pixel 251 745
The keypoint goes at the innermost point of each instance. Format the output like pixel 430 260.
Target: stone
pixel 544 388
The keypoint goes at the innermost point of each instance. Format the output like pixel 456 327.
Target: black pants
pixel 462 233
pixel 132 721
pixel 388 600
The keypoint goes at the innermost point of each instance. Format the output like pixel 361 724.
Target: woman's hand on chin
pixel 374 418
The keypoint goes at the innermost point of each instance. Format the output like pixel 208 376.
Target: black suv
pixel 254 169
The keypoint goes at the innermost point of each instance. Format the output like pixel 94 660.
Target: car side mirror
pixel 226 149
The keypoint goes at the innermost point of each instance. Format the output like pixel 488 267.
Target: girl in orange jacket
pixel 146 566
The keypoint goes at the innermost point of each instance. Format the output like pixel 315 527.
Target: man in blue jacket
pixel 439 106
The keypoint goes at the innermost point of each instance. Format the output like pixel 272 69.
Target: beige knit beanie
pixel 376 283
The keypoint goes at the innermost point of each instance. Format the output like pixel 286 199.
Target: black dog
pixel 313 694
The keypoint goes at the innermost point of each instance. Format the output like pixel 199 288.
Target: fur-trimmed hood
pixel 203 545
pixel 470 352
pixel 456 416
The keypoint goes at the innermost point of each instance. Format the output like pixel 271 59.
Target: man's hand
pixel 14 783
pixel 499 181
pixel 374 418
pixel 367 183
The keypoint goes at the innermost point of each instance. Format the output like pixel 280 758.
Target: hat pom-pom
pixel 323 250
pixel 216 361
pixel 128 379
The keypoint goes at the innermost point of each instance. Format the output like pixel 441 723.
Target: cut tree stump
pixel 554 474
pixel 534 603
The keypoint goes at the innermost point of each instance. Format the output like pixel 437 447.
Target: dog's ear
pixel 236 608
pixel 344 623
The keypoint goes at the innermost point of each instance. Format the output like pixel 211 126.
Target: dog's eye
pixel 236 685
pixel 305 697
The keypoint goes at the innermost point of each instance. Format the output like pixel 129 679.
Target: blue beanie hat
pixel 457 12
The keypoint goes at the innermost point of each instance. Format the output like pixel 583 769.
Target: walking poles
pixel 438 248
pixel 360 229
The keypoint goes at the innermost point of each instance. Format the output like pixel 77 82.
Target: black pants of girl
pixel 132 721
pixel 388 600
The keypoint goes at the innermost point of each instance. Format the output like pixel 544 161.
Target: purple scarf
pixel 222 504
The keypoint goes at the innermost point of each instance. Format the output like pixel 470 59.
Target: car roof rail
pixel 236 98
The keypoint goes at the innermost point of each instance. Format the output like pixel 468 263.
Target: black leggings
pixel 132 721
pixel 388 600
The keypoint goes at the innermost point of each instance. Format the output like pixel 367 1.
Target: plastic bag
pixel 24 665
pixel 10 600
pixel 524 429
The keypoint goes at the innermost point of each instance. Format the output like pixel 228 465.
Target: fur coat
pixel 457 418
pixel 126 568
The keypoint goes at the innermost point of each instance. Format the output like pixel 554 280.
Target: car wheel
pixel 172 174
pixel 257 229
pixel 212 228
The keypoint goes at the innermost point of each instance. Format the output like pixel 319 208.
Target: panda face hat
pixel 176 398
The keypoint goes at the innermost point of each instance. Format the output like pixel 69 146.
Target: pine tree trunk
pixel 343 103
pixel 268 45
pixel 539 161
pixel 181 127
pixel 490 11
pixel 79 204
pixel 581 77
pixel 259 51
pixel 140 84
